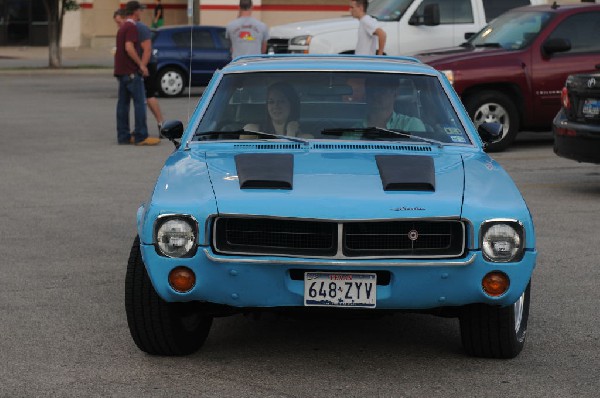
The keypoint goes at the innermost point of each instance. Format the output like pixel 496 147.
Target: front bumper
pixel 576 141
pixel 265 282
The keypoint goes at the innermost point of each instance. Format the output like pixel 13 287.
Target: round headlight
pixel 176 237
pixel 501 243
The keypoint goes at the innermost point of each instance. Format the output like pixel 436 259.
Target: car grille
pixel 353 239
pixel 403 238
pixel 277 46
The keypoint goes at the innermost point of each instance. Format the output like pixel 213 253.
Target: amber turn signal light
pixel 495 283
pixel 182 279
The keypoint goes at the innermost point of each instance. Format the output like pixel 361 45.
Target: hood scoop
pixel 406 172
pixel 265 171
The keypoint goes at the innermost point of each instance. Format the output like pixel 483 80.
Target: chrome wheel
pixel 171 83
pixel 518 311
pixel 492 113
pixel 495 107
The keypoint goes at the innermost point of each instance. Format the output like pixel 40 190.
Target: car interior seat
pixel 407 101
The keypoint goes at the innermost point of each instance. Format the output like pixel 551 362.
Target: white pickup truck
pixel 412 26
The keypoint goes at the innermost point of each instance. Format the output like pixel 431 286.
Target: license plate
pixel 591 108
pixel 326 289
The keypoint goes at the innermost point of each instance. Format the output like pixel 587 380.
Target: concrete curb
pixel 33 58
pixel 62 71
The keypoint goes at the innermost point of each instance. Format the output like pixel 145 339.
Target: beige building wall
pixel 71 33
pixel 92 25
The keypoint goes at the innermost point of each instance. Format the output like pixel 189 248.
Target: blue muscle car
pixel 343 184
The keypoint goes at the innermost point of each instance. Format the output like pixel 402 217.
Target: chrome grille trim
pixel 469 259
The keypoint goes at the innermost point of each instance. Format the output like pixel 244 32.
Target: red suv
pixel 514 69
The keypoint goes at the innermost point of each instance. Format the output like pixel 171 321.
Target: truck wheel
pixel 495 332
pixel 171 82
pixel 494 106
pixel 159 327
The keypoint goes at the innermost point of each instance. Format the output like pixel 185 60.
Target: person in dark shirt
pixel 129 69
pixel 150 81
pixel 159 15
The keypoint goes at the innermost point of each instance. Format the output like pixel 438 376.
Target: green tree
pixel 56 10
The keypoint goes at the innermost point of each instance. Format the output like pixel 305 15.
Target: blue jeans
pixel 131 87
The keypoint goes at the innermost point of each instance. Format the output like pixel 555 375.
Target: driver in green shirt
pixel 381 93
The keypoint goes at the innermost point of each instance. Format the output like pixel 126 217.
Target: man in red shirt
pixel 129 70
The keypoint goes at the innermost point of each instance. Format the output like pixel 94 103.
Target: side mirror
pixel 431 14
pixel 468 35
pixel 556 45
pixel 430 17
pixel 172 130
pixel 490 132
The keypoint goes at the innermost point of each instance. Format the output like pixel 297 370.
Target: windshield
pixel 511 31
pixel 388 10
pixel 331 106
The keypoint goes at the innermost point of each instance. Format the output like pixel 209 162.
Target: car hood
pixel 340 185
pixel 452 55
pixel 290 30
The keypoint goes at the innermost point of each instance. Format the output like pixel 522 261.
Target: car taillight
pixel 564 98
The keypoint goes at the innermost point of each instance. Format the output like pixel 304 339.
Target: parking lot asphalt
pixel 68 202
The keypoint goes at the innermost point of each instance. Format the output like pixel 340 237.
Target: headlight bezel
pixel 301 41
pixel 519 229
pixel 162 220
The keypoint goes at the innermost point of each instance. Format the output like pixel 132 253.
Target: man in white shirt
pixel 371 38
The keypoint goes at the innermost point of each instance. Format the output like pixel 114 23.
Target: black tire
pixel 495 332
pixel 159 327
pixel 494 106
pixel 171 82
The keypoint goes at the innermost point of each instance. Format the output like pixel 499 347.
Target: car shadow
pixel 529 139
pixel 276 338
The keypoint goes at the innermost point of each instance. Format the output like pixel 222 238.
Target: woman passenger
pixel 282 113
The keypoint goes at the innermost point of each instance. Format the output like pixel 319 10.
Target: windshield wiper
pixel 493 45
pixel 252 132
pixel 380 131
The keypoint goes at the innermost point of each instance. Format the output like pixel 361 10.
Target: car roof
pixel 342 62
pixel 560 8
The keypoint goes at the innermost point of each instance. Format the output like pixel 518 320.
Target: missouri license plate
pixel 327 289
pixel 591 108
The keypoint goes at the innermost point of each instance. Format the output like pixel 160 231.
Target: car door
pixel 208 53
pixel 550 71
pixel 457 17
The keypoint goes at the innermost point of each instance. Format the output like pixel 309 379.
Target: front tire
pixel 494 106
pixel 171 82
pixel 495 332
pixel 158 327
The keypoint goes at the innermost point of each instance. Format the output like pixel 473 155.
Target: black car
pixel 576 127
pixel 187 53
